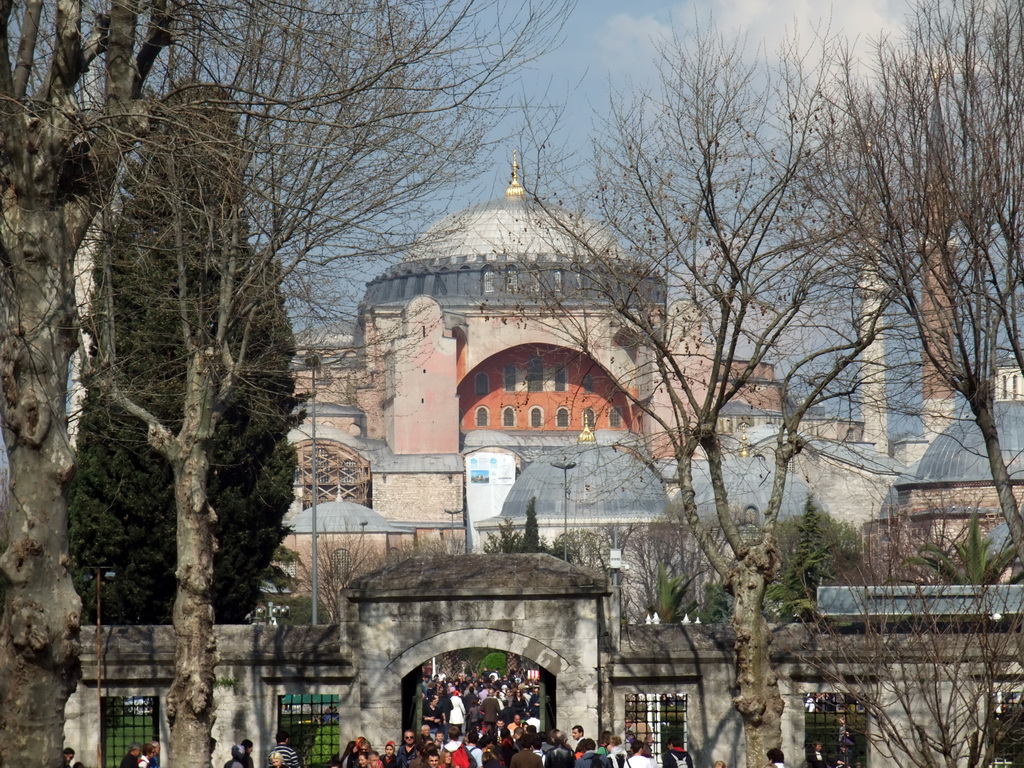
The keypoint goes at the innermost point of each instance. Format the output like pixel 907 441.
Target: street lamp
pixel 101 571
pixel 565 466
pixel 454 513
pixel 313 363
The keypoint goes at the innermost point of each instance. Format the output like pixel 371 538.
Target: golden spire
pixel 744 449
pixel 586 436
pixel 515 189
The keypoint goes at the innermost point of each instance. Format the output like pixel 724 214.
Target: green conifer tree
pixel 122 509
pixel 810 566
pixel 531 533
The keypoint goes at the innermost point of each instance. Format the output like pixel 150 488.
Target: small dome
pixel 748 481
pixel 605 483
pixel 958 455
pixel 513 225
pixel 343 517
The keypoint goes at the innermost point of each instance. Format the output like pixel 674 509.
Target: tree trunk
pixel 190 707
pixel 39 628
pixel 758 699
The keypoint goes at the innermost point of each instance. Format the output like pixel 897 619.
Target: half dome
pixel 604 484
pixel 958 456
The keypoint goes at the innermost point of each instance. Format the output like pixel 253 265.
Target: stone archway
pixel 556 614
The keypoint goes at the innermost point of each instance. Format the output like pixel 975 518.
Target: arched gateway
pixel 559 615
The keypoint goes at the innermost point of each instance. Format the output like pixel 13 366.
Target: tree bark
pixel 758 699
pixel 39 629
pixel 190 708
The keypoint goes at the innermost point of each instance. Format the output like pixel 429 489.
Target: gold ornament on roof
pixel 586 436
pixel 515 189
pixel 744 449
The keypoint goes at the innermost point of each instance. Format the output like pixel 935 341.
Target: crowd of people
pixel 490 721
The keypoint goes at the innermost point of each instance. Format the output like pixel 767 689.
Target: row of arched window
pixel 535 378
pixel 563 417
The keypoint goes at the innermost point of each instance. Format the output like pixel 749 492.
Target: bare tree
pixel 712 188
pixel 940 689
pixel 933 124
pixel 344 119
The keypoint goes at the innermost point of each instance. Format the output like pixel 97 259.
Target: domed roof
pixel 604 483
pixel 343 517
pixel 958 455
pixel 748 481
pixel 513 225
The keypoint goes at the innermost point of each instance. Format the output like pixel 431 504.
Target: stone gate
pixel 558 615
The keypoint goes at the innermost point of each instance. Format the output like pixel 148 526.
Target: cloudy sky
pixel 609 43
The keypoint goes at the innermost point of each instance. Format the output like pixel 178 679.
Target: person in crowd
pixel 285 750
pixel 131 758
pixel 407 752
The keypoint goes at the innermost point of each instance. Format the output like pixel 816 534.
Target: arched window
pixel 483 418
pixel 614 418
pixel 588 383
pixel 482 384
pixel 562 418
pixel 512 279
pixel 510 378
pixel 488 280
pixel 535 374
pixel 588 418
pixel 558 280
pixel 341 474
pixel 561 379
pixel 536 418
pixel 508 417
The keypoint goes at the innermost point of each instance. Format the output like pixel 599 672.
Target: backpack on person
pixel 461 758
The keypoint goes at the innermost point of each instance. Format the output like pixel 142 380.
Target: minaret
pixel 874 405
pixel 936 300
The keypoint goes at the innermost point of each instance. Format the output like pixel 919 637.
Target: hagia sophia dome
pixel 508 246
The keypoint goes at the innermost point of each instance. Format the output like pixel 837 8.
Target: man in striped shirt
pixel 290 758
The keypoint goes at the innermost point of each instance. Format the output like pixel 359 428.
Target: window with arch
pixel 558 280
pixel 561 379
pixel 562 418
pixel 483 417
pixel 510 378
pixel 482 384
pixel 512 279
pixel 341 474
pixel 535 374
pixel 588 418
pixel 536 418
pixel 488 281
pixel 508 417
pixel 588 382
pixel 614 418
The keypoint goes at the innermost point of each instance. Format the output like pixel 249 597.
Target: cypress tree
pixel 122 508
pixel 531 533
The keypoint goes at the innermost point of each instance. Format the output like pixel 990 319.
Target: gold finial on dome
pixel 586 436
pixel 744 448
pixel 515 189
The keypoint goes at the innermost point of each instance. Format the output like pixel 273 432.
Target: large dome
pixel 605 484
pixel 958 455
pixel 517 228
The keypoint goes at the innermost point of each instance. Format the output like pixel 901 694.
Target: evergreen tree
pixel 531 533
pixel 810 566
pixel 122 507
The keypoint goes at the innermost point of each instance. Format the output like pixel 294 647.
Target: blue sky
pixel 610 44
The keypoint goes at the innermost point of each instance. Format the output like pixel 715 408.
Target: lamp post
pixel 565 466
pixel 101 571
pixel 453 513
pixel 313 363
